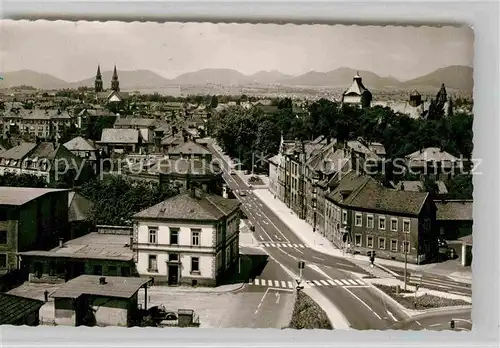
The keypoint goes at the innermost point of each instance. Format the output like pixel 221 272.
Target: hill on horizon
pixel 454 77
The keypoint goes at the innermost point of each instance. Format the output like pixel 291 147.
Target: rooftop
pixel 186 207
pixel 119 136
pixel 189 148
pixel 134 122
pixel 18 196
pixel 13 308
pixel 122 287
pixel 79 144
pixel 96 246
pixel 455 210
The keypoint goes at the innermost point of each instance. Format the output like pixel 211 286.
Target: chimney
pixel 61 243
pixel 102 280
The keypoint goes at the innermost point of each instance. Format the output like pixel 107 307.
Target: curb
pixel 402 308
pixel 187 290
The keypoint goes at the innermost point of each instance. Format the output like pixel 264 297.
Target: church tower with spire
pixel 115 84
pixel 98 81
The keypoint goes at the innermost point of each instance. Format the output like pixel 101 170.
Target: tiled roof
pixel 21 195
pixel 119 136
pixel 418 186
pixel 15 308
pixel 39 114
pixel 79 144
pixel 18 152
pixel 356 88
pixel 170 139
pixel 431 154
pixel 348 183
pixel 186 207
pixel 189 148
pixel 121 287
pixel 373 196
pixel 134 122
pixel 454 210
pixel 78 207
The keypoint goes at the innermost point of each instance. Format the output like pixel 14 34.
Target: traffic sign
pixel 301 264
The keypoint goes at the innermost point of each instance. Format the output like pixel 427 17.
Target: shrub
pixel 307 314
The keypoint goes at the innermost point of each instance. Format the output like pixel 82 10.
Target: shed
pixel 18 310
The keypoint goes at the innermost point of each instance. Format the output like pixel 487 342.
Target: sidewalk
pixel 305 233
pixel 183 289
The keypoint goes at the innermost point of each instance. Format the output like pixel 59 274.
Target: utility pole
pixel 406 260
pixel 253 160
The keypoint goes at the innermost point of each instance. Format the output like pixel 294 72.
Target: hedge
pixel 307 314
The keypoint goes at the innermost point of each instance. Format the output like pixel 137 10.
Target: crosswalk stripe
pixel 311 284
pixel 289 245
pixel 338 282
pixel 331 282
pixel 276 284
pixel 317 282
pixel 269 283
pixel 324 282
pixel 283 284
pixel 352 281
pixel 266 245
pixel 295 245
pixel 360 282
pixel 344 281
pixel 301 246
pixel 273 245
pixel 290 284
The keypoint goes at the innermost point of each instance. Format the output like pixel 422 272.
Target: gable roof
pixel 79 144
pixel 189 148
pixel 418 186
pixel 357 87
pixel 119 136
pixel 348 183
pixel 431 154
pixel 14 308
pixel 78 206
pixel 134 122
pixel 455 210
pixel 373 196
pixel 20 195
pixel 186 207
pixel 18 152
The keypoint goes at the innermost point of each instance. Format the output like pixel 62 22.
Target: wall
pixel 110 311
pixel 9 223
pixel 352 99
pixel 64 311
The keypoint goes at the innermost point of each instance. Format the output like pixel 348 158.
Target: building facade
pixel 190 239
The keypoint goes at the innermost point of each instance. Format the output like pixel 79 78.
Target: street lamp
pixel 406 259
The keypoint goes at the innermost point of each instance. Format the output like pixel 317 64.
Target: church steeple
pixel 115 83
pixel 441 96
pixel 98 80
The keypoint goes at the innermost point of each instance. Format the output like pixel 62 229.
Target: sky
pixel 72 50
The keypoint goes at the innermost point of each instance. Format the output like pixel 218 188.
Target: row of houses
pixel 328 185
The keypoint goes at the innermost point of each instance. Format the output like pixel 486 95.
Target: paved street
pixel 438 321
pixel 435 282
pixel 357 301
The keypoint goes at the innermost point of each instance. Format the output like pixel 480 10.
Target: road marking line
pixel 318 258
pixel 301 246
pixel 269 283
pixel 311 284
pixel 261 238
pixel 324 282
pixel 391 315
pixel 267 245
pixel 417 322
pixel 276 284
pixel 356 286
pixel 280 289
pixel 273 245
pixel 363 302
pixel 387 270
pixel 467 321
pixel 317 283
pixel 295 245
pixel 331 282
pixel 344 281
pixel 283 284
pixel 289 245
pixel 338 282
pixel 344 264
pixel 297 250
pixel 434 325
pixel 290 284
pixel 352 282
pixel 360 282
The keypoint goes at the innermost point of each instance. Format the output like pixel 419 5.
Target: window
pixel 344 216
pixel 152 264
pixel 97 270
pixel 381 223
pixel 369 242
pixel 195 265
pixel 112 270
pixel 3 237
pixel 369 221
pixel 195 236
pixel 173 257
pixel 152 235
pixel 394 224
pixel 125 271
pixel 359 219
pixel 3 260
pixel 406 226
pixel 394 245
pixel 228 257
pixel 357 240
pixel 174 236
pixel 406 247
pixel 381 243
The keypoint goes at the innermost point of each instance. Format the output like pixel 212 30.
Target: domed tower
pixel 115 83
pixel 415 98
pixel 98 80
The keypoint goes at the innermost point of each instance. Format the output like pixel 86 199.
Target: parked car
pixel 243 193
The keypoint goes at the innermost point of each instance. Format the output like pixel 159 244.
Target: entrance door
pixel 173 274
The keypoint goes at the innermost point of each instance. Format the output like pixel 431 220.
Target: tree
pixel 214 102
